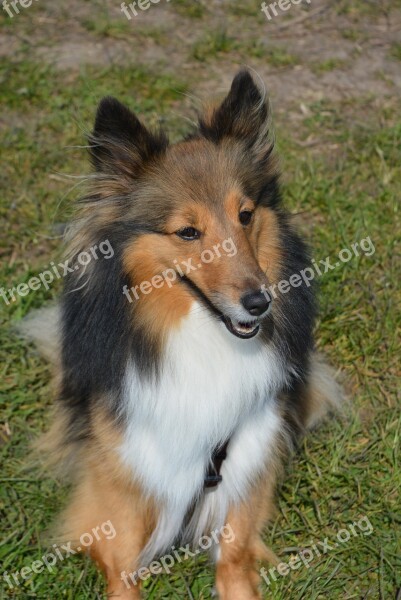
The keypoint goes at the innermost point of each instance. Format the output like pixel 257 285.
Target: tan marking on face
pixel 262 233
pixel 236 202
pixel 192 215
pixel 231 277
pixel 265 241
pixel 162 302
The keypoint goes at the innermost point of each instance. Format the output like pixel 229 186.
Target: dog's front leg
pixel 237 575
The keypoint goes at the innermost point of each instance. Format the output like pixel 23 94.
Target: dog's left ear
pixel 243 115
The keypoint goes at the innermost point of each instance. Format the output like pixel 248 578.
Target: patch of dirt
pixel 334 56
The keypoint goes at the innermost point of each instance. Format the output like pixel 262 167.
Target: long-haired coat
pixel 158 374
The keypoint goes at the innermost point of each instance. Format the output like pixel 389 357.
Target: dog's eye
pixel 245 217
pixel 188 233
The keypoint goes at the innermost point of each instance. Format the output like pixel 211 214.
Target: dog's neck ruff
pixel 212 387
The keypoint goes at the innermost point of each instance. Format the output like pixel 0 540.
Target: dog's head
pixel 201 212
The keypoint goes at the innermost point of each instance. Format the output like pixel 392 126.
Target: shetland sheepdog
pixel 182 382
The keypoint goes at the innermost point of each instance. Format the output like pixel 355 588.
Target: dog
pixel 183 383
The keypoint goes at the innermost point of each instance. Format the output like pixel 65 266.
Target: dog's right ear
pixel 120 144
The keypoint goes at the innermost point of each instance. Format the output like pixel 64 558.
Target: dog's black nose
pixel 256 303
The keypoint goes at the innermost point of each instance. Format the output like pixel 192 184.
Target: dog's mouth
pixel 241 329
pixel 244 331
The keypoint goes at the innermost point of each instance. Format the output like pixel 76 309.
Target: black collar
pixel 213 477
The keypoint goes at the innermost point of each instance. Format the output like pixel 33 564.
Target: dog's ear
pixel 120 144
pixel 243 115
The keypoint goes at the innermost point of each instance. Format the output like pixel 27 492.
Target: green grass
pixel 194 9
pixel 104 27
pixel 353 35
pixel 277 57
pixel 158 34
pixel 357 8
pixel 346 188
pixel 217 43
pixel 244 9
pixel 328 65
pixel 395 51
pixel 212 44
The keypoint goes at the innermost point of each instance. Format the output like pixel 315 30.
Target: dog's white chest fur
pixel 213 386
